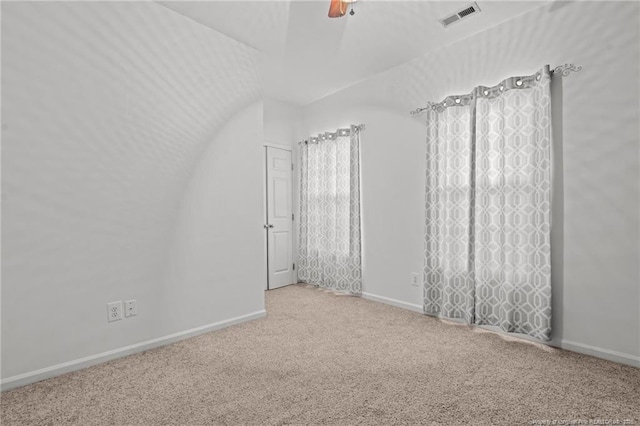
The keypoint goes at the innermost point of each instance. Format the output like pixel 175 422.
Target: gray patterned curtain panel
pixel 488 214
pixel 329 234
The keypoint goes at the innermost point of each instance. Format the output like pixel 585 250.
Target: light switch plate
pixel 130 308
pixel 415 279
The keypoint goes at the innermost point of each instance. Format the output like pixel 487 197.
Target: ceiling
pixel 308 56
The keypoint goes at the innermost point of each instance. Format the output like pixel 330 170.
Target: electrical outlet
pixel 114 311
pixel 415 279
pixel 130 308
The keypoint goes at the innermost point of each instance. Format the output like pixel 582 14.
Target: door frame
pixel 265 183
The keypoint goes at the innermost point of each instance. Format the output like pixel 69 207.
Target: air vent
pixel 472 9
pixel 467 11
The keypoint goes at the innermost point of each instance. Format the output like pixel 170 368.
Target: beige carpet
pixel 319 358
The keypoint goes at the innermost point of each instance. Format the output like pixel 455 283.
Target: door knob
pixel 270 226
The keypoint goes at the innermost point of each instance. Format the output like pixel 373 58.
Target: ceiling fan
pixel 338 8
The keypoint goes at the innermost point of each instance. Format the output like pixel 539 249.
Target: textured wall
pixel 596 199
pixel 107 109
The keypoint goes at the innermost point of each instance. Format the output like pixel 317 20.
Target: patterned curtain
pixel 329 235
pixel 488 212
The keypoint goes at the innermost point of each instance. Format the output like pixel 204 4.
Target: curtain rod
pixel 560 70
pixel 332 135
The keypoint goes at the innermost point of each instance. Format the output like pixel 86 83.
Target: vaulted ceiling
pixel 308 56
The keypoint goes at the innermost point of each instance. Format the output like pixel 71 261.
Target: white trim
pixel 66 367
pixel 568 345
pixel 598 352
pixel 265 236
pixel 363 234
pixel 277 145
pixel 295 207
pixel 393 302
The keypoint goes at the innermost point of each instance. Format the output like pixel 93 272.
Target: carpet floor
pixel 321 358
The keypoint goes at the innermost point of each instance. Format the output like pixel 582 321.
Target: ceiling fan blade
pixel 337 9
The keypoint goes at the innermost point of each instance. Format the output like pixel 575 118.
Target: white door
pixel 279 224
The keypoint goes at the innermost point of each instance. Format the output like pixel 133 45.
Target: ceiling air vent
pixel 472 9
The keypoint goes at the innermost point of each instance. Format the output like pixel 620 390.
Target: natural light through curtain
pixel 488 214
pixel 329 235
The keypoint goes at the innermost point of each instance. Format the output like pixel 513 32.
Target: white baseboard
pixel 393 302
pixel 66 367
pixel 569 345
pixel 598 352
pixel 581 348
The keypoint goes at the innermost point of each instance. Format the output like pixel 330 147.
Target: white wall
pixel 215 267
pixel 281 122
pixel 108 111
pixel 596 294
